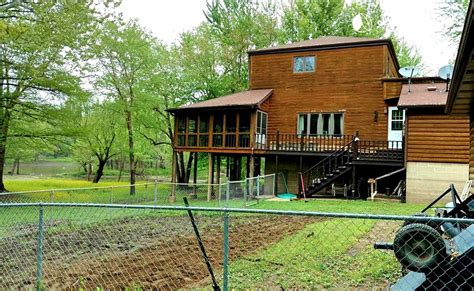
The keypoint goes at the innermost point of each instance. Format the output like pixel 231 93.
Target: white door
pixel 396 120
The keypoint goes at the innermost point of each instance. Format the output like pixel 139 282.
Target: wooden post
pixel 172 197
pixel 300 189
pixel 278 140
pixel 195 175
pixel 353 181
pixel 209 176
pixel 251 166
pixel 218 170
pixel 276 174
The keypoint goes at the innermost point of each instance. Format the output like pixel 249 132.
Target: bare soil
pixel 150 253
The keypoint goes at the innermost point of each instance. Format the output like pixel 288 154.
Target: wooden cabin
pixel 437 145
pixel 461 94
pixel 322 112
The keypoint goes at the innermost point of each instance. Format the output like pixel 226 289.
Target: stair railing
pixel 329 164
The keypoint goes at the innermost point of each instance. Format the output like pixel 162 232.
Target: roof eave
pixel 461 58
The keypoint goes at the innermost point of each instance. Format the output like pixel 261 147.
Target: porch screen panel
pixel 217 130
pixel 244 129
pixel 203 131
pixel 181 131
pixel 192 131
pixel 230 130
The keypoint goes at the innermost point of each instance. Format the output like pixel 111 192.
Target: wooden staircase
pixel 327 171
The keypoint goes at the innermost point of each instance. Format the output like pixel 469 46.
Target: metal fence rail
pixel 119 246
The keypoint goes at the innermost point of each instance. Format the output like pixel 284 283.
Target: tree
pixel 453 12
pixel 39 40
pixel 308 19
pixel 127 58
pixel 238 26
pixel 99 136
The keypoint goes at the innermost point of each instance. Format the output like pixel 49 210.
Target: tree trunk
pixel 99 172
pixel 89 171
pixel 3 145
pixel 128 117
pixel 12 172
pixel 18 166
pixel 121 165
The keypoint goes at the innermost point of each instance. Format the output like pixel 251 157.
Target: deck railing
pixel 305 143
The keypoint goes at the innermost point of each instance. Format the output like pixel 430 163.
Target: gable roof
pixel 245 99
pixel 420 96
pixel 461 91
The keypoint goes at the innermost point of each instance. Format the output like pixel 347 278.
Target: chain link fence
pixel 112 246
pixel 155 193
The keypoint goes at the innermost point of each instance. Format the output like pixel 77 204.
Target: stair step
pixel 329 175
pixel 342 167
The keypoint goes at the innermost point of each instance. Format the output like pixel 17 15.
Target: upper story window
pixel 320 124
pixel 304 64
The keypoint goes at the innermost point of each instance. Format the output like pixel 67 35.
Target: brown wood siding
pixel 471 147
pixel 392 89
pixel 437 138
pixel 265 106
pixel 346 80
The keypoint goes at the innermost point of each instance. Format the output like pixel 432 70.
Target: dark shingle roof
pixel 249 98
pixel 421 97
pixel 322 41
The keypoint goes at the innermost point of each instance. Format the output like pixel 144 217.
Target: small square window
pixel 299 64
pixel 309 64
pixel 304 64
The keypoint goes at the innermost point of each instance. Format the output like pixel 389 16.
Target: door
pixel 261 129
pixel 396 120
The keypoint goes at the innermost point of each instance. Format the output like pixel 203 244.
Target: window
pixel 304 64
pixel 320 123
pixel 203 131
pixel 244 129
pixel 181 131
pixel 261 127
pixel 397 120
pixel 217 130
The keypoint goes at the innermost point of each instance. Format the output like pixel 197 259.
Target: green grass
pixel 316 258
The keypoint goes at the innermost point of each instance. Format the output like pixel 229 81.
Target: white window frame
pixel 260 134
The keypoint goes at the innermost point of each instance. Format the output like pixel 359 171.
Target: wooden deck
pixel 294 144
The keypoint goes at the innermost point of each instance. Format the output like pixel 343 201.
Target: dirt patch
pixel 151 253
pixel 382 231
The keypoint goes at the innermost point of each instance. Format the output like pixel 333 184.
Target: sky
pixel 414 20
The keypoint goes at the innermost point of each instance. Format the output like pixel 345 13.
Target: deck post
pixel 174 164
pixel 278 140
pixel 210 177
pixel 195 174
pixel 353 181
pixel 218 170
pixel 251 165
pixel 276 174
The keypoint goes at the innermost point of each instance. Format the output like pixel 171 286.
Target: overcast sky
pixel 414 20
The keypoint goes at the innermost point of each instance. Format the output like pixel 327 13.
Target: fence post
pixel 227 194
pixel 51 198
pixel 258 186
pixel 39 250
pixel 225 278
pixel 111 195
pixel 155 191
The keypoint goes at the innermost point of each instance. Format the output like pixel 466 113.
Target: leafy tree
pixel 39 42
pixel 127 57
pixel 99 137
pixel 238 26
pixel 308 19
pixel 453 12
